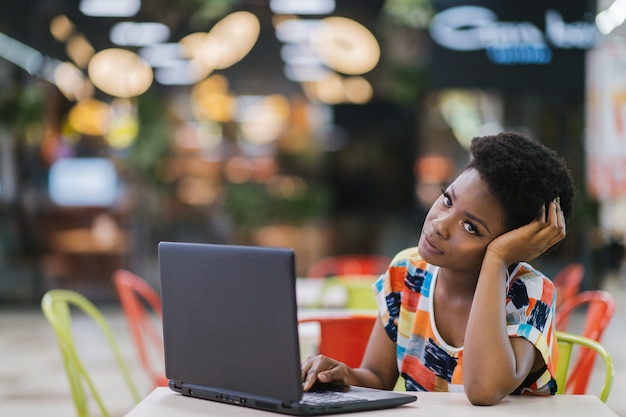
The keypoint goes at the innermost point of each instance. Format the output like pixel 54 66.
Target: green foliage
pixel 21 106
pixel 251 205
pixel 415 14
pixel 152 142
pixel 406 83
pixel 405 69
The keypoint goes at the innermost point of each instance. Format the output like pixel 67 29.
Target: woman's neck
pixel 457 283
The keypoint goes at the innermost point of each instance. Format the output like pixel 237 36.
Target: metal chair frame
pixel 567 342
pixel 141 305
pixel 567 282
pixel 600 309
pixel 55 305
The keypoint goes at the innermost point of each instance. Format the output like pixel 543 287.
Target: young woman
pixel 464 310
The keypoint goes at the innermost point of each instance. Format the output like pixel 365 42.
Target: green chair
pixel 567 342
pixel 356 291
pixel 55 305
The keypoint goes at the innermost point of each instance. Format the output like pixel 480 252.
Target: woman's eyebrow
pixel 478 220
pixel 470 215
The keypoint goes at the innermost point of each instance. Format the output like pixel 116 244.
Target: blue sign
pixel 511 44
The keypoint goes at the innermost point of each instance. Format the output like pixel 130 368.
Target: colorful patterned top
pixel 425 360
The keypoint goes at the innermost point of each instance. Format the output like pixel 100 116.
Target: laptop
pixel 230 331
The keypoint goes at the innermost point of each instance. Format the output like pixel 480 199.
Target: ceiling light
pixel 79 49
pixel 21 55
pixel 357 89
pixel 61 28
pixel 262 119
pixel 211 100
pixel 232 38
pixel 299 54
pixel 185 73
pixel 302 6
pixel 307 72
pixel 110 8
pixel 330 90
pixel 71 81
pixel 89 117
pixel 193 44
pixel 123 124
pixel 296 30
pixel 138 34
pixel 162 54
pixel 345 45
pixel 120 73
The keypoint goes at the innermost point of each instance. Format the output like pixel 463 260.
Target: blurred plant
pixel 153 140
pixel 415 14
pixel 139 164
pixel 403 28
pixel 253 205
pixel 21 106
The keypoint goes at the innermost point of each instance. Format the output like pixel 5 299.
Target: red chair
pixel 349 265
pixel 567 282
pixel 600 308
pixel 141 305
pixel 344 338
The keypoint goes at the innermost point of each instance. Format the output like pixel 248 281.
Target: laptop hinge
pixel 289 405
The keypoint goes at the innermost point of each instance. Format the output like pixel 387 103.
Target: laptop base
pixel 298 409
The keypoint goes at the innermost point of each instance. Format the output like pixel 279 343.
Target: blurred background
pixel 328 126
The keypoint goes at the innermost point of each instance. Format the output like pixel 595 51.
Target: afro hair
pixel 523 175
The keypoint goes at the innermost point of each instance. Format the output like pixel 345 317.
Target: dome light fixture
pixel 120 73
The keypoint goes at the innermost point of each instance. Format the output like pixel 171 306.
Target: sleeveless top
pixel 425 361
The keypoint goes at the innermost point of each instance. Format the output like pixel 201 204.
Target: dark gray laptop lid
pixel 230 319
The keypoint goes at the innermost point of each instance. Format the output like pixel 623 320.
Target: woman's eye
pixel 446 200
pixel 470 228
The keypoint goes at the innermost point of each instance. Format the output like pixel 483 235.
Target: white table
pixel 163 402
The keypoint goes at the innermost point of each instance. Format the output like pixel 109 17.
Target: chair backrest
pixel 344 338
pixel 141 305
pixel 567 342
pixel 349 265
pixel 356 289
pixel 600 309
pixel 56 306
pixel 567 282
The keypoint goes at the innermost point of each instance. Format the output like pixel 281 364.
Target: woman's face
pixel 460 224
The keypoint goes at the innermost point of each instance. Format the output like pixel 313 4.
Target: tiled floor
pixel 32 380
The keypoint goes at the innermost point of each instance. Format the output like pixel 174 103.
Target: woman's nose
pixel 440 226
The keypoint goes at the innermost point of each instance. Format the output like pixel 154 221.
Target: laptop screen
pixel 230 319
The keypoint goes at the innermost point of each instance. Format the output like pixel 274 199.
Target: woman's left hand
pixel 530 241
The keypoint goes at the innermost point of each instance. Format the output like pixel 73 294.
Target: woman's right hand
pixel 323 369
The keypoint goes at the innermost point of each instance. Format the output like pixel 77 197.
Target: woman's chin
pixel 429 253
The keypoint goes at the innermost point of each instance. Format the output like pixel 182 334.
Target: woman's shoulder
pixel 409 254
pixel 526 270
pixel 531 276
pixel 409 261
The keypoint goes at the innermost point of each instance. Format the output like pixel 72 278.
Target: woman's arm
pixel 494 364
pixel 378 367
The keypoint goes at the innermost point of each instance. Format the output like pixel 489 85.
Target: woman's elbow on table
pixel 478 395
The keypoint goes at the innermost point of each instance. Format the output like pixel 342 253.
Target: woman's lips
pixel 430 244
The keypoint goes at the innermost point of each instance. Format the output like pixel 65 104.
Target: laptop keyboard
pixel 329 397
